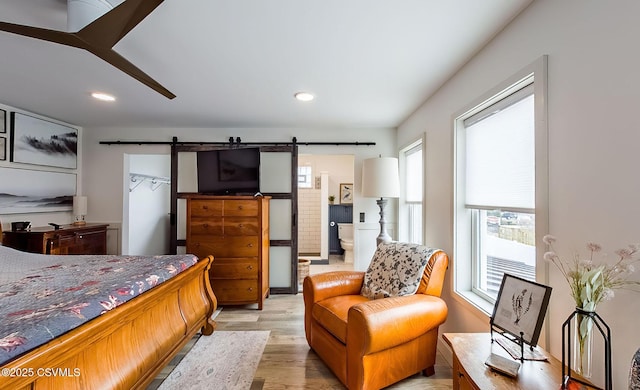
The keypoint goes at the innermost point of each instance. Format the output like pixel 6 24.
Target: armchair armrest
pixel 331 284
pixel 384 323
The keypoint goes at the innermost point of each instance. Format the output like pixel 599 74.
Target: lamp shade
pixel 380 178
pixel 79 205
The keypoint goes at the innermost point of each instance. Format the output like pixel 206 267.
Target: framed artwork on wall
pixel 3 121
pixel 346 193
pixel 3 149
pixel 41 142
pixel 31 191
pixel 520 308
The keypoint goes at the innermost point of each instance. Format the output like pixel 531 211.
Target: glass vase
pixel 583 343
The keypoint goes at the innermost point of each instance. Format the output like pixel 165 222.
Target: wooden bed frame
pixel 128 346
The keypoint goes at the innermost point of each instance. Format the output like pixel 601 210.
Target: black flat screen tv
pixel 229 171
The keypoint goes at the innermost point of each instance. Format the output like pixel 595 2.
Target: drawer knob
pixel 205 225
pixel 250 289
pixel 249 267
pixel 240 207
pixel 205 207
pixel 249 245
pixel 240 226
pixel 80 236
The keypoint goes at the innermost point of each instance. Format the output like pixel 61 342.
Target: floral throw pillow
pixel 395 270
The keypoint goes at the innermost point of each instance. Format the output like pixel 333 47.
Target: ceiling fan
pixel 99 37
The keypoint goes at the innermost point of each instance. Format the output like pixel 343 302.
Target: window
pixel 411 203
pixel 304 177
pixel 501 190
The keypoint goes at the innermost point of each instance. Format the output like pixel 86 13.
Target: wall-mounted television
pixel 229 171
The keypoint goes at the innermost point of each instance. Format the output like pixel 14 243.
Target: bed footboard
pixel 128 346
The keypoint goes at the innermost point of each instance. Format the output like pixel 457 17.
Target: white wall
pixel 593 97
pixel 309 229
pixel 104 185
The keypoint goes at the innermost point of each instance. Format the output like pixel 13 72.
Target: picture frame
pixel 41 142
pixel 520 308
pixel 35 191
pixel 3 121
pixel 346 193
pixel 3 149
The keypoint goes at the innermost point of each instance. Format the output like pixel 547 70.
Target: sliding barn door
pixel 279 179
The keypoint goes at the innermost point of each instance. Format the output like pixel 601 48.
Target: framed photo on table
pixel 520 308
pixel 346 193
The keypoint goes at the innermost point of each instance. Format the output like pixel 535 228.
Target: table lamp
pixel 79 209
pixel 380 179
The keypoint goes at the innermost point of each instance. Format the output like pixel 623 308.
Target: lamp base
pixel 383 236
pixel 79 223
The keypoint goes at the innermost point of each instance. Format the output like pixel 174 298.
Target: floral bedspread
pixel 50 295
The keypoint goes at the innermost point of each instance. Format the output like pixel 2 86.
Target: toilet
pixel 345 234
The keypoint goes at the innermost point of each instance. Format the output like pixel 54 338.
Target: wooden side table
pixel 470 350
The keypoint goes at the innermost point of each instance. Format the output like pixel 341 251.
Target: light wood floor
pixel 287 361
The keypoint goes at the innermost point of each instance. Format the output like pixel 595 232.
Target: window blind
pixel 500 155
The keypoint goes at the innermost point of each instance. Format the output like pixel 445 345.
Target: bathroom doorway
pixel 319 185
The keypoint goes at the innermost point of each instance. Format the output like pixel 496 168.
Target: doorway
pixel 320 178
pixel 146 201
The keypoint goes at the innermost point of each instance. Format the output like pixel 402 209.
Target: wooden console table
pixel 470 350
pixel 89 239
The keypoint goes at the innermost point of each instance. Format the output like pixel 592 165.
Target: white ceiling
pixel 237 63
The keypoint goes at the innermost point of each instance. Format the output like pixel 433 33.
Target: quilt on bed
pixel 50 295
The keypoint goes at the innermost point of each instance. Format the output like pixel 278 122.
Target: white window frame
pixel 463 256
pixel 404 205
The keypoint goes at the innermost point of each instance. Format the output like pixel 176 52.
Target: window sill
pixel 480 307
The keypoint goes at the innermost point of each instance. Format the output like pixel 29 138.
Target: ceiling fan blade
pixel 111 27
pixel 115 59
pixel 99 37
pixel 60 37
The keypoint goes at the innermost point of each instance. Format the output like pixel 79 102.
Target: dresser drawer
pixel 241 226
pixel 206 226
pixel 226 246
pixel 240 208
pixel 235 291
pixel 206 208
pixel 238 268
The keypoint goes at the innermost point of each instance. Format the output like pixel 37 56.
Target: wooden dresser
pixel 235 230
pixel 89 239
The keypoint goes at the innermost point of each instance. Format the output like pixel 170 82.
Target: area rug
pixel 226 360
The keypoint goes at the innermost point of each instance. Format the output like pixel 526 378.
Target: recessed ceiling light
pixel 304 96
pixel 103 96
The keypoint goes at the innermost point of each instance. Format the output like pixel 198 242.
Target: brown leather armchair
pixel 371 344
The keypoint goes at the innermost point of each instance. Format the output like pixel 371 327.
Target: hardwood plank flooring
pixel 287 361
